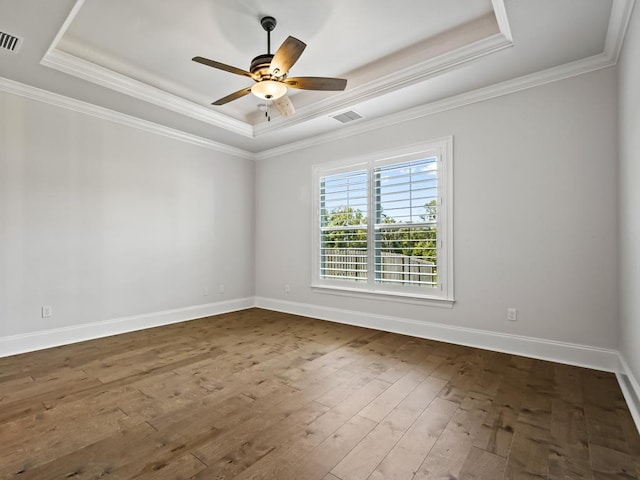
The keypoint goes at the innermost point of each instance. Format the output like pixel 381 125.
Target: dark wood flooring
pixel 264 395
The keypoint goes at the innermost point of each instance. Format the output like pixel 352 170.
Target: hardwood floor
pixel 264 395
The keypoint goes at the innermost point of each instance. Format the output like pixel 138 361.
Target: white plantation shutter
pixel 406 206
pixel 384 224
pixel 343 226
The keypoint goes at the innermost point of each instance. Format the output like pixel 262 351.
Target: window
pixel 383 224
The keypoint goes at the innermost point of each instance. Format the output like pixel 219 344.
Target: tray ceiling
pixel 397 56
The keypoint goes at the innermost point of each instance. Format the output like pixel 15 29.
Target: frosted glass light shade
pixel 269 90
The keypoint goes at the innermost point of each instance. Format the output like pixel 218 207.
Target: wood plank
pixel 569 449
pixel 329 476
pixel 63 431
pixel 331 421
pixel 263 395
pixel 94 460
pixel 407 455
pixel 390 398
pixel 322 458
pixel 446 458
pixel 482 465
pixel 297 448
pixel 608 463
pixel 529 456
pixel 499 425
pixel 186 466
pixel 367 455
pixel 297 463
pixel 252 438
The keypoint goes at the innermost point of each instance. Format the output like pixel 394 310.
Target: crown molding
pixel 72 65
pixel 94 73
pixel 554 74
pixel 500 12
pixel 34 93
pixel 619 19
pixel 65 25
pixel 394 81
pixel 618 22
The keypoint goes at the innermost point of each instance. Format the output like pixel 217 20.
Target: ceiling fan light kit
pixel 270 73
pixel 269 90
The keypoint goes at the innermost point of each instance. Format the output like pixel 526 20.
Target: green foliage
pixel 413 241
pixel 407 252
pixel 410 241
pixel 345 216
pixel 431 214
pixel 349 239
pixel 419 241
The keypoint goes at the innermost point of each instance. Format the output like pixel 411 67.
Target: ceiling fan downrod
pixel 269 72
pixel 268 23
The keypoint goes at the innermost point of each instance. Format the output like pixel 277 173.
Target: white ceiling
pixel 400 58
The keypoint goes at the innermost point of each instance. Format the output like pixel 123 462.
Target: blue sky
pixel 403 189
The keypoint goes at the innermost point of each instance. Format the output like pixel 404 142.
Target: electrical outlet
pixel 205 291
pixel 287 288
pixel 47 311
pixel 512 314
pixel 221 288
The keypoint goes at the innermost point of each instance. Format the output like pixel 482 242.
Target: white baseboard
pixel 630 389
pixel 562 352
pixel 568 353
pixel 29 342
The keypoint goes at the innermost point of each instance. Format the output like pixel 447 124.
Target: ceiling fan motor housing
pixel 269 71
pixel 260 66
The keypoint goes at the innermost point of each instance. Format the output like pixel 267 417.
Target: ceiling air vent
pixel 9 42
pixel 347 117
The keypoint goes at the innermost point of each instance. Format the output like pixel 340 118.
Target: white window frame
pixel 443 294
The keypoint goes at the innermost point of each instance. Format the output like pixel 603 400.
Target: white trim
pixel 620 15
pixel 33 93
pixel 94 73
pixel 500 12
pixel 618 22
pixel 65 25
pixel 384 296
pixel 405 77
pixel 630 389
pixel 445 181
pixel 507 87
pixel 29 342
pixel 562 352
pixel 382 85
pixel 442 148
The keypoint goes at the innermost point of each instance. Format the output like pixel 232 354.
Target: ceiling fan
pixel 269 71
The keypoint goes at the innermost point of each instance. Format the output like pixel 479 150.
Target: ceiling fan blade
pixel 284 106
pixel 286 56
pixel 222 66
pixel 316 83
pixel 233 96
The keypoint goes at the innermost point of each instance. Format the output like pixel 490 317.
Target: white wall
pixel 629 126
pixel 535 218
pixel 103 221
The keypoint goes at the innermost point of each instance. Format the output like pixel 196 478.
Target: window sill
pixel 385 296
